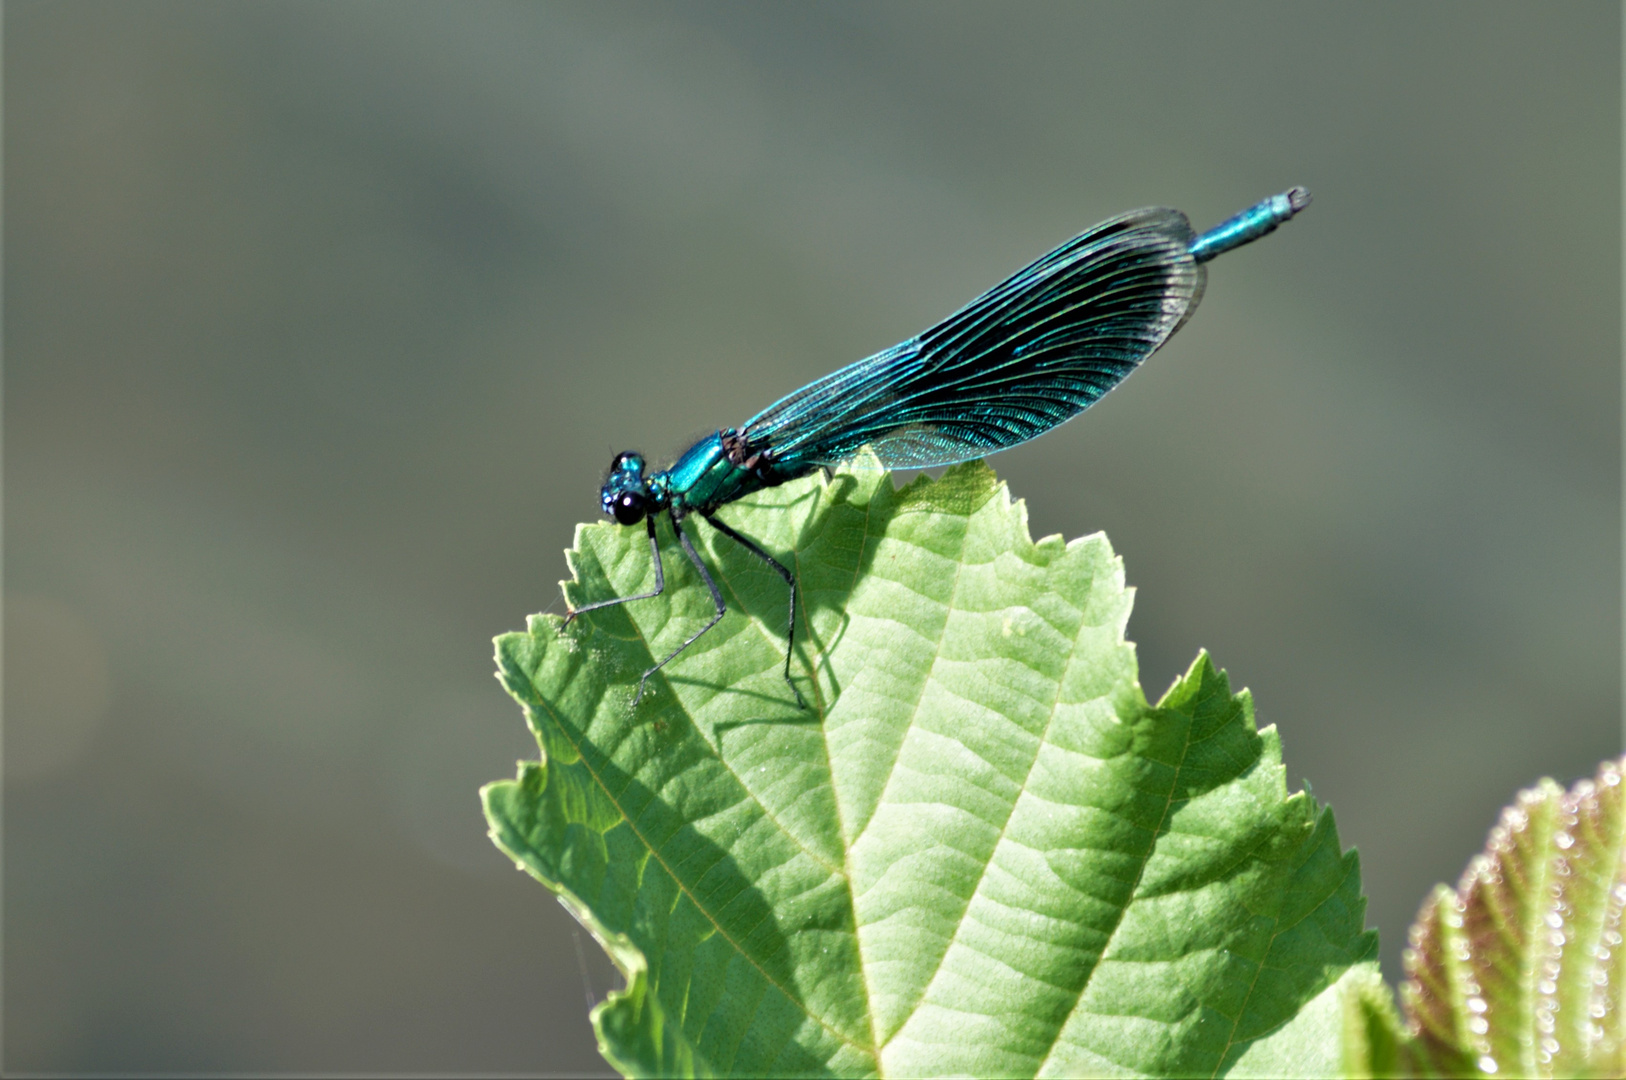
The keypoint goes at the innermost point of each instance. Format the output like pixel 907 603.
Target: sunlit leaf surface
pixel 979 850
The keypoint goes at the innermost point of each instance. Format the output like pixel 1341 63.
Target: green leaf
pixel 978 851
pixel 1518 971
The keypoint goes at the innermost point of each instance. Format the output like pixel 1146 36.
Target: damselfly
pixel 1027 355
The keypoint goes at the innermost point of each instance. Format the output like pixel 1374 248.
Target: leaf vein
pixel 684 889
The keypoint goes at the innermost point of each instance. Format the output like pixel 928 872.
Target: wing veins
pixel 1027 355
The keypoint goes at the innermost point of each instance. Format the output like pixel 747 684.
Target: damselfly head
pixel 625 495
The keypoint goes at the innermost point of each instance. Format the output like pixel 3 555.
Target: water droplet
pixel 1487 1064
pixel 1564 840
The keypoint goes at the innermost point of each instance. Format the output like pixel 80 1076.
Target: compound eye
pixel 629 507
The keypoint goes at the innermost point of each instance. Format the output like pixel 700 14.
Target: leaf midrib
pixel 1010 813
pixel 1140 874
pixel 937 656
pixel 835 802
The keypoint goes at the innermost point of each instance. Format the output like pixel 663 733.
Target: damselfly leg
pixel 716 598
pixel 790 581
pixel 660 582
pixel 711 586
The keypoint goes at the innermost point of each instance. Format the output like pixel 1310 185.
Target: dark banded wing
pixel 1012 364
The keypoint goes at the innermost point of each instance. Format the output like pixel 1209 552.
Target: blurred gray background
pixel 322 322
